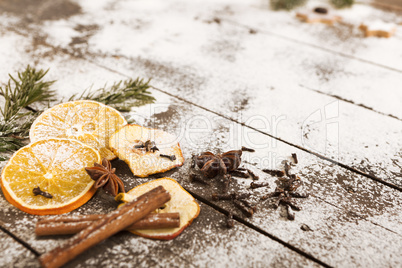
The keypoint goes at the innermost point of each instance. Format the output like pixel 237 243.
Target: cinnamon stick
pixel 109 225
pixel 66 225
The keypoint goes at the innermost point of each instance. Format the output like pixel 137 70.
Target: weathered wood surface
pixel 355 220
pixel 13 254
pixel 191 56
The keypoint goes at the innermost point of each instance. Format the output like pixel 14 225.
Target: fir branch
pixel 20 92
pixel 286 4
pixel 342 3
pixel 121 95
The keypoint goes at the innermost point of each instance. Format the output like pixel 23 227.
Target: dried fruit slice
pixel 87 121
pixel 181 202
pixel 57 167
pixel 146 150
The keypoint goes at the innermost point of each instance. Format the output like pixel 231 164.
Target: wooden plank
pixel 370 210
pixel 242 91
pixel 319 176
pixel 340 52
pixel 14 254
pixel 212 73
pixel 339 219
pixel 206 242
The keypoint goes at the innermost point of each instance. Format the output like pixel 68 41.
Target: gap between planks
pixel 257 229
pixel 226 117
pixel 312 45
pixel 350 101
pixel 18 240
pixel 394 186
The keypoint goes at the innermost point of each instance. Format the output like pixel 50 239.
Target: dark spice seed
pixel 255 185
pixel 38 191
pixel 294 156
pixel 193 160
pixel 291 216
pixel 287 168
pixel 227 179
pixel 321 10
pixel 252 175
pixel 248 212
pixel 240 174
pixel 229 220
pixel 245 149
pixel 139 146
pixel 305 228
pixel 171 157
pixel 249 205
pixel 274 172
pixel 290 204
pixel 252 31
pixel 242 196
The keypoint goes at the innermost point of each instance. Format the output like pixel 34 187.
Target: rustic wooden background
pixel 227 74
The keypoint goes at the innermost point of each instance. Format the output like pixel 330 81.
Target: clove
pixel 245 149
pixel 291 216
pixel 252 175
pixel 229 220
pixel 287 168
pixel 37 191
pixel 294 156
pixel 249 205
pixel 193 159
pixel 248 212
pixel 171 157
pixel 242 196
pixel 274 172
pixel 240 174
pixel 227 179
pixel 255 185
pixel 305 228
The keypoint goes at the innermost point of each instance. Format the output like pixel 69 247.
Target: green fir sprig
pixel 291 4
pixel 286 4
pixel 20 92
pixel 121 95
pixel 342 3
pixel 28 88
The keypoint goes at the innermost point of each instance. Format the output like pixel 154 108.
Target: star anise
pixel 211 165
pixel 104 176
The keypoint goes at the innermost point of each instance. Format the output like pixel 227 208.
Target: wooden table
pixel 227 74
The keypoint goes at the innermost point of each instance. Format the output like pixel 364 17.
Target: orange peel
pixel 87 121
pixel 141 162
pixel 57 167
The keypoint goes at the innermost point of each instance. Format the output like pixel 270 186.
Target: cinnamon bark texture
pixel 109 225
pixel 67 225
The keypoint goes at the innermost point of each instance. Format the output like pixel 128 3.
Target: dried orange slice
pixel 87 121
pixel 181 202
pixel 129 144
pixel 57 167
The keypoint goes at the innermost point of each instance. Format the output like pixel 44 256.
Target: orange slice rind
pixel 181 202
pixel 57 167
pixel 87 121
pixel 142 163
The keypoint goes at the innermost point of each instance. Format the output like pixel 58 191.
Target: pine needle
pixel 21 91
pixel 286 4
pixel 121 95
pixel 28 88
